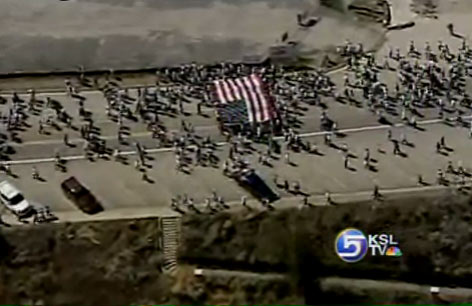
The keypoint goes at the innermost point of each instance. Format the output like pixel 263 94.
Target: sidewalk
pixel 285 203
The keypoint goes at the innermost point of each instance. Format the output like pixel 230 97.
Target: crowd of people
pixel 428 78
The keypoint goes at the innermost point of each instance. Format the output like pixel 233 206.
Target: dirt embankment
pixel 106 263
pixel 119 262
pixel 435 237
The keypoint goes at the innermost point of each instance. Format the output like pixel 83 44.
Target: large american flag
pixel 244 100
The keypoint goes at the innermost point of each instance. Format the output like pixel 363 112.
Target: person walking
pixel 442 142
pixel 286 185
pixel 329 200
pixel 305 201
pixel 35 173
pixel 145 176
pixel 346 161
pixel 376 194
pixel 421 181
pixel 244 201
pixel 40 128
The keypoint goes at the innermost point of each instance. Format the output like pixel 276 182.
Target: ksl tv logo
pixel 352 245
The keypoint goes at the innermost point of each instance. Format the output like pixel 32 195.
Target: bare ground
pixel 434 235
pixel 119 262
pixel 83 264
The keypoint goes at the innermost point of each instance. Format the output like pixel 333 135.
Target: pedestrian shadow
pixel 188 172
pixel 195 209
pixel 444 182
pixel 419 128
pixel 302 193
pixel 448 149
pixel 352 155
pixel 293 164
pixel 41 179
pixel 384 121
pixel 335 146
pixel 323 105
pixel 372 168
pixel 3 223
pixel 318 153
pixel 268 164
pixel 179 210
pixel 449 123
pixel 350 168
pixel 340 135
pixel 417 113
pixel 149 180
pixel 408 144
pixel 123 160
pixel 61 167
pixel 402 154
pixel 132 118
pixel 355 103
pixel 16 139
pixel 443 153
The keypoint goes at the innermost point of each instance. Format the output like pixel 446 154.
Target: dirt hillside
pixel 119 262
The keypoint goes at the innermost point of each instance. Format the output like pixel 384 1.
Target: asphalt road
pixel 121 188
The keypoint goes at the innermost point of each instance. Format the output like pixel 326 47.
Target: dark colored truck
pixel 254 184
pixel 81 196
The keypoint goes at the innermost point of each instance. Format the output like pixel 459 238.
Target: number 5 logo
pixel 351 240
pixel 351 245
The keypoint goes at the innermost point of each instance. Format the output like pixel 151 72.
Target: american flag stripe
pixel 260 98
pixel 267 104
pixel 250 109
pixel 253 99
pixel 219 92
pixel 227 91
pixel 235 90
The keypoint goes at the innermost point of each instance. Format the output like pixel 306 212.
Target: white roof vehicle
pixel 13 199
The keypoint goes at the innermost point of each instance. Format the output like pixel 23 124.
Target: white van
pixel 14 200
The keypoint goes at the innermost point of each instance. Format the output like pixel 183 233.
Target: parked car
pixel 14 200
pixel 252 182
pixel 81 196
